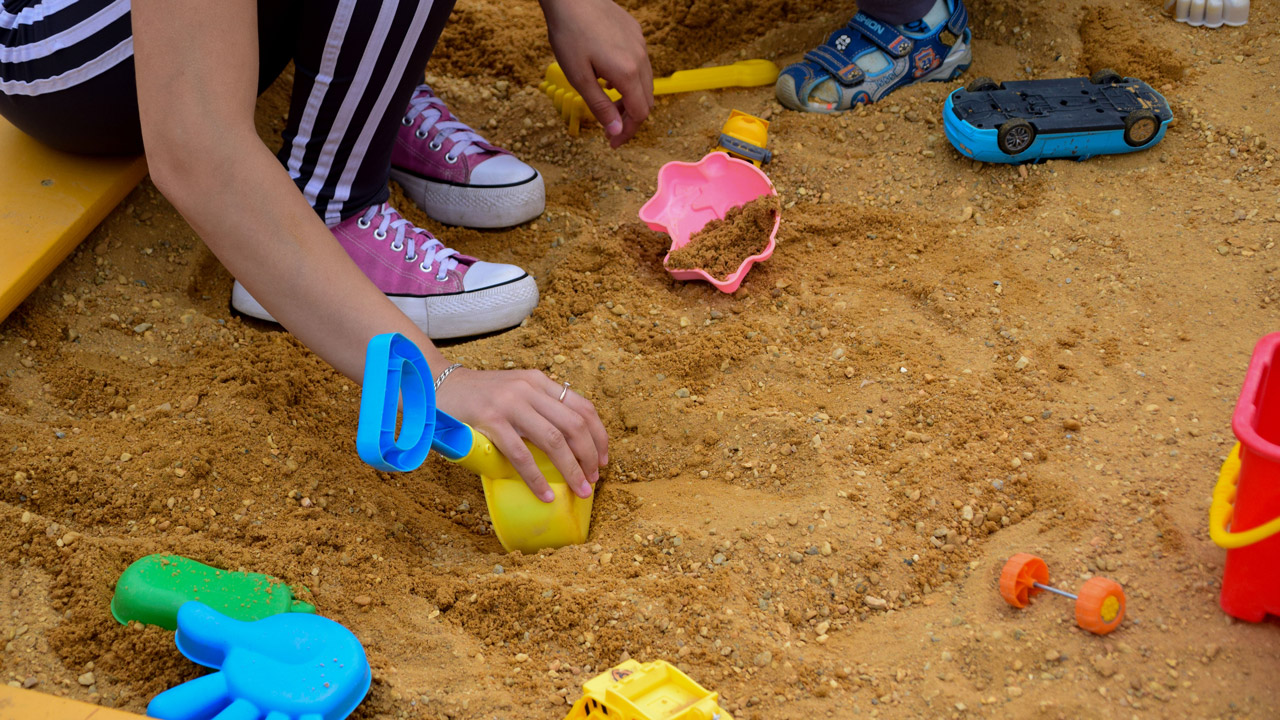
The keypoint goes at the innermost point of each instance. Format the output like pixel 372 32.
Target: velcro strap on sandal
pixel 833 61
pixel 883 35
pixel 959 19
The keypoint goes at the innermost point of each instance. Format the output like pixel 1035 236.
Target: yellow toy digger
pixel 648 691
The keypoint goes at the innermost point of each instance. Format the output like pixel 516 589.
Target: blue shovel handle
pixel 398 378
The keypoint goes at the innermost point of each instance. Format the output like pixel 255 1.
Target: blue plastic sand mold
pixel 394 365
pixel 284 667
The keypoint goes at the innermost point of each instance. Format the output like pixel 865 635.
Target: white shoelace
pixel 413 240
pixel 433 108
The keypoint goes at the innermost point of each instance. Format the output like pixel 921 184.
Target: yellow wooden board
pixel 19 704
pixel 49 202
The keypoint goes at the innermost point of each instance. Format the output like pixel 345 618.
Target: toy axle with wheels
pixel 1099 606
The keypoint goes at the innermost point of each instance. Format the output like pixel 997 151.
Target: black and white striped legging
pixel 67 79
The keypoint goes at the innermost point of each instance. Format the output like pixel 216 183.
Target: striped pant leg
pixel 356 65
pixel 67 72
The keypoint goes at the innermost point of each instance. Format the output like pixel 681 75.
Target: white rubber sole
pixel 442 316
pixel 475 207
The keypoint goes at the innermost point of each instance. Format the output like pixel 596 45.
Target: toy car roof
pixel 1060 106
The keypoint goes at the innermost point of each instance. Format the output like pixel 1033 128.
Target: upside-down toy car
pixel 1033 120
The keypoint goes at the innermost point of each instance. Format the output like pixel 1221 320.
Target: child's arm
pixel 596 38
pixel 197 70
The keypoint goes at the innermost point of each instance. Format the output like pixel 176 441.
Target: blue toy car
pixel 1032 120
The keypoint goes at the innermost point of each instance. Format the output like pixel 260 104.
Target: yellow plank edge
pixel 19 704
pixel 49 202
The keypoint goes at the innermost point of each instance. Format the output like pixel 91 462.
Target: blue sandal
pixel 939 54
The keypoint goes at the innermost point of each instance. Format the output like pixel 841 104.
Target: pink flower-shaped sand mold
pixel 690 195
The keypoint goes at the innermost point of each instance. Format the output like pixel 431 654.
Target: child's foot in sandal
pixel 455 175
pixel 867 59
pixel 446 294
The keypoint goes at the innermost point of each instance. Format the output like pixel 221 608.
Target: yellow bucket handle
pixel 1223 507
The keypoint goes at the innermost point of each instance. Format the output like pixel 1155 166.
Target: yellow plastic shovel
pixel 744 73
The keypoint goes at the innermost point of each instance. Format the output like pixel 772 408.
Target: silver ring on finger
pixel 564 391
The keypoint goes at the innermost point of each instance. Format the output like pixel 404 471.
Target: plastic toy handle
pixel 487 461
pixel 744 73
pixel 1223 507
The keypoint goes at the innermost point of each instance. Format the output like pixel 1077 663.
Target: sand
pixel 723 244
pixel 814 481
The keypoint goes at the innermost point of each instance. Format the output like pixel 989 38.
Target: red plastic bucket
pixel 1251 578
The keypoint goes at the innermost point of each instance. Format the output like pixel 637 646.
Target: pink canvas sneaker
pixel 458 177
pixel 446 294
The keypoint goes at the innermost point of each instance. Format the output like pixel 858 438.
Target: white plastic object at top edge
pixel 1209 13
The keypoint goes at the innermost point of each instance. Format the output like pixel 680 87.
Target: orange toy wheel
pixel 1016 579
pixel 1100 605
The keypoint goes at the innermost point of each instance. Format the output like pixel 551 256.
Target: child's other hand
pixel 596 38
pixel 507 405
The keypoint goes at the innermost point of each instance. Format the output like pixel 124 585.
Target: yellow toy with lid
pixel 646 691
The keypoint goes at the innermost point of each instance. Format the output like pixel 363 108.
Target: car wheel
pixel 1015 136
pixel 1139 127
pixel 982 84
pixel 1106 76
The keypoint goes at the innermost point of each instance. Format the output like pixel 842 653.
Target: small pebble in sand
pixel 362 600
pixel 86 679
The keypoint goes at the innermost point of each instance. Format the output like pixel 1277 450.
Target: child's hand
pixel 507 405
pixel 596 38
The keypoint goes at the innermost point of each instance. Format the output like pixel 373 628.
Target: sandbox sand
pixel 723 244
pixel 814 481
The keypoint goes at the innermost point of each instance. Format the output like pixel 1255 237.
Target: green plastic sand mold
pixel 152 589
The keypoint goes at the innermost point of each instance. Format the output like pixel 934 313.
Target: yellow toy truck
pixel 649 691
pixel 745 136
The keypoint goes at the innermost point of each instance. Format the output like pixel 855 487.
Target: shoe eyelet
pixel 380 234
pixel 420 134
pixel 410 259
pixel 451 159
pixel 363 224
pixel 406 120
pixel 425 268
pixel 397 247
pixel 434 145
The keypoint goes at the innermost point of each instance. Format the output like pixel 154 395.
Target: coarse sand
pixel 723 244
